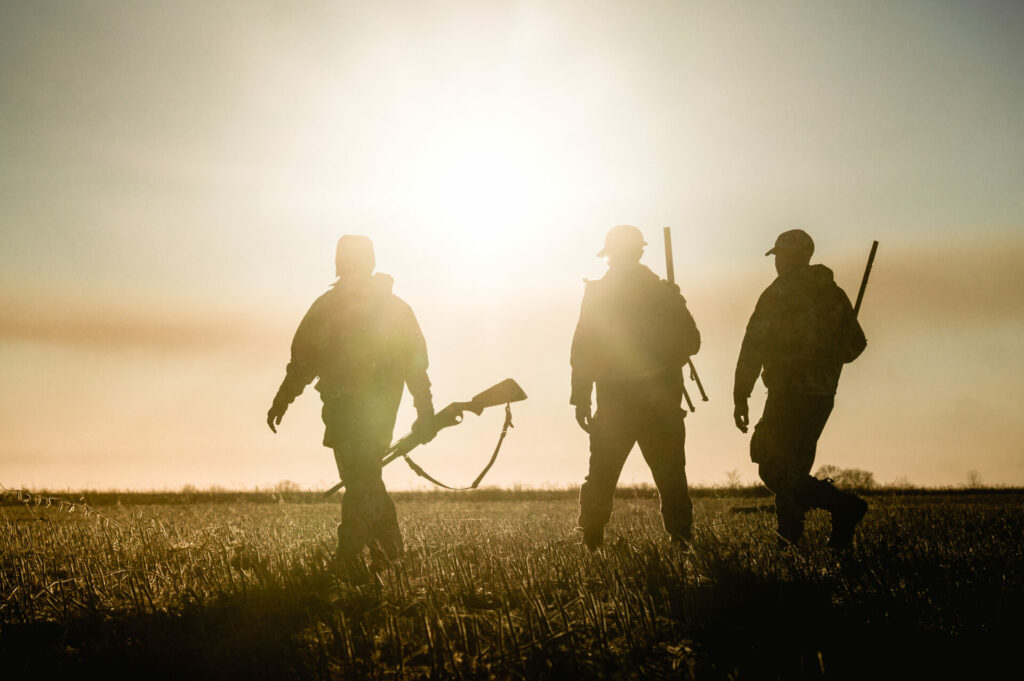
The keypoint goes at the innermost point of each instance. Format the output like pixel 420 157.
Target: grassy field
pixel 494 585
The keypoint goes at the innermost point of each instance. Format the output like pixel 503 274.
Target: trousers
pixel 784 445
pixel 647 413
pixel 360 431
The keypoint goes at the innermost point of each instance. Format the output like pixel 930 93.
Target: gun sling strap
pixel 494 457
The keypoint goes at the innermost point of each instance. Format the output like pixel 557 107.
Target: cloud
pixel 41 316
pixel 951 284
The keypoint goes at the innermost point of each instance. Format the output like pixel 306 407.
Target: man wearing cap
pixel 365 346
pixel 802 331
pixel 633 337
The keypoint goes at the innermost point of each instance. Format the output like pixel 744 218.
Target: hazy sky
pixel 174 175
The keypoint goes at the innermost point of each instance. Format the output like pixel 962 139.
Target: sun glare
pixel 487 186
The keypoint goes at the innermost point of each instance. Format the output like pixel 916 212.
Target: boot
pixel 682 539
pixel 846 510
pixel 349 560
pixel 844 520
pixel 593 539
pixel 383 552
pixel 351 567
pixel 790 530
pixel 790 515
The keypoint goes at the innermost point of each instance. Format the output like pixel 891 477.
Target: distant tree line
pixel 850 478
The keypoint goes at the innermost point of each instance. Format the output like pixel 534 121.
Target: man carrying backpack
pixel 633 337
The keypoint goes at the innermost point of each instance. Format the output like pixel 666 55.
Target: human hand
pixel 424 427
pixel 274 416
pixel 741 414
pixel 583 417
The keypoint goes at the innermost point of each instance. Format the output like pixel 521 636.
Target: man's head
pixel 623 244
pixel 792 249
pixel 354 258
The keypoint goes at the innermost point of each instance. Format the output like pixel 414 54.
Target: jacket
pixel 633 325
pixel 801 333
pixel 359 339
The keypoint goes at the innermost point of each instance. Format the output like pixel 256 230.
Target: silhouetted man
pixel 633 337
pixel 364 344
pixel 801 333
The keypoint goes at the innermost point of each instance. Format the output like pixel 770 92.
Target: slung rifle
pixel 670 272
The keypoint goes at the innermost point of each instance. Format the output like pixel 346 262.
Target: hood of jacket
pixel 811 274
pixel 379 285
pixel 635 272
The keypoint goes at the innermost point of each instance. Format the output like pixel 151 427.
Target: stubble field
pixel 494 585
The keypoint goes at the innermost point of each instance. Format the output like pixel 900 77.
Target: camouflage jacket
pixel 632 325
pixel 360 340
pixel 802 331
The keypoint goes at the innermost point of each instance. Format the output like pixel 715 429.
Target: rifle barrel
pixel 696 379
pixel 864 281
pixel 686 396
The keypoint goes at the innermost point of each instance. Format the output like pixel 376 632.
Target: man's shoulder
pixel 640 277
pixel 820 280
pixel 396 304
pixel 379 293
pixel 395 308
pixel 812 278
pixel 325 299
pixel 593 288
pixel 815 288
pixel 773 291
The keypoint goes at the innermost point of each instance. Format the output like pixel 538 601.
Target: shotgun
pixel 506 392
pixel 670 271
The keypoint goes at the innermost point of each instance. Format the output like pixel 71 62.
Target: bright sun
pixel 487 184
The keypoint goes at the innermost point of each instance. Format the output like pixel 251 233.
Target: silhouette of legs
pixel 790 513
pixel 368 516
pixel 645 412
pixel 784 444
pixel 611 441
pixel 359 434
pixel 662 441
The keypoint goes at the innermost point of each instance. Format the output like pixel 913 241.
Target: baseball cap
pixel 795 240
